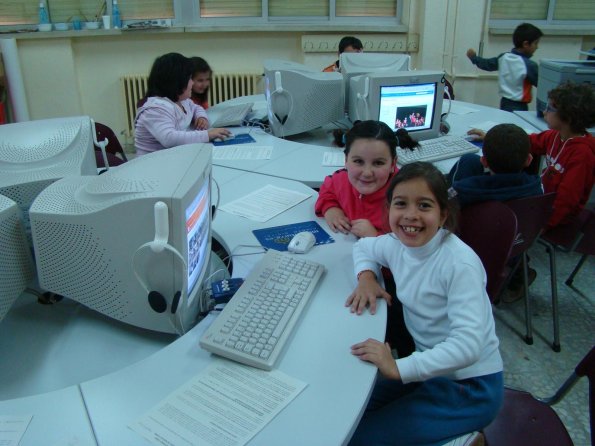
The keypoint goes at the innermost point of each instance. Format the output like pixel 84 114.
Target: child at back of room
pixel 201 81
pixel 516 71
pixel 452 385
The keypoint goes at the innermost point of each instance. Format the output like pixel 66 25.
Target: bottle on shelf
pixel 116 19
pixel 43 14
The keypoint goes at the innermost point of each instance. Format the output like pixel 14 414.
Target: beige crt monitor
pixel 132 243
pixel 408 99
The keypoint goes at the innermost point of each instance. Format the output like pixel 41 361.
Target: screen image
pixel 409 107
pixel 197 233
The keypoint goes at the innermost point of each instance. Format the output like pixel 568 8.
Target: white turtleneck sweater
pixel 442 286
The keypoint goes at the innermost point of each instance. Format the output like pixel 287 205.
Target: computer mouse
pixel 224 138
pixel 302 242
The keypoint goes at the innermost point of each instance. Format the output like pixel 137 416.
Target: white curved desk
pixel 338 384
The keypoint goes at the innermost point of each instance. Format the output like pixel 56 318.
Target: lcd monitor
pixel 409 99
pixel 34 154
pixel 132 243
pixel 16 265
pixel 299 98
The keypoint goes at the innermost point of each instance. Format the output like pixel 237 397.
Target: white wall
pixel 80 75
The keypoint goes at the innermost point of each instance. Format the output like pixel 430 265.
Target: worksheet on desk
pixel 225 405
pixel 264 203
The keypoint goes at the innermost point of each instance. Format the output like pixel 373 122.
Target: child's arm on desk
pixel 367 291
pixel 378 354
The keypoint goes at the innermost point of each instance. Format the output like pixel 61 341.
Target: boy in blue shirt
pixel 498 174
pixel 516 72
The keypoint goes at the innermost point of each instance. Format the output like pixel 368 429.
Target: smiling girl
pixel 452 384
pixel 352 199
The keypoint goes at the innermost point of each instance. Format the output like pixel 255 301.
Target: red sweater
pixel 569 171
pixel 337 191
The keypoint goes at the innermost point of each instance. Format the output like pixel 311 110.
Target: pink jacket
pixel 337 191
pixel 160 124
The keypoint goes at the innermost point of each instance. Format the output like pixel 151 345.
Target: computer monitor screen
pixel 300 98
pixel 409 100
pixel 16 266
pixel 34 154
pixel 133 243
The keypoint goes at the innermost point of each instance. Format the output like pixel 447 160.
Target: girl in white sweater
pixel 452 384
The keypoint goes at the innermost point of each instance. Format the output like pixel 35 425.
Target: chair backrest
pixel 532 214
pixel 489 228
pixel 587 368
pixel 112 160
pixel 113 146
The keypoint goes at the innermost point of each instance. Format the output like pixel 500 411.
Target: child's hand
pixel 337 220
pixel 218 133
pixel 363 228
pixel 367 291
pixel 378 354
pixel 471 53
pixel 480 134
pixel 202 124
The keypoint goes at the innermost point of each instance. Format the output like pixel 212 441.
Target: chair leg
pixel 554 289
pixel 528 320
pixel 576 269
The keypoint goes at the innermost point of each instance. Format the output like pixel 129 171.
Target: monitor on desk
pixel 16 266
pixel 300 98
pixel 410 99
pixel 34 154
pixel 133 243
pixel 355 64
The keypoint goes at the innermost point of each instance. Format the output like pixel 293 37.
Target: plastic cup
pixel 106 22
pixel 76 24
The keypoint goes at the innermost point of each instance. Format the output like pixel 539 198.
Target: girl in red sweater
pixel 351 200
pixel 569 149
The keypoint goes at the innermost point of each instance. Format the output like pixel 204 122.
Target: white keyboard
pixel 436 149
pixel 230 115
pixel 255 325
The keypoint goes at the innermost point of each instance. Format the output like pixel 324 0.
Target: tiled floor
pixel 537 368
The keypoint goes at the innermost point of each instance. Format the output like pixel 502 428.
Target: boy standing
pixel 516 72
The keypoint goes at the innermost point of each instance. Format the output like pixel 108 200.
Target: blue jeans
pixel 428 413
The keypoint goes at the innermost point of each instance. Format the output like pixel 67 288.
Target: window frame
pixel 548 25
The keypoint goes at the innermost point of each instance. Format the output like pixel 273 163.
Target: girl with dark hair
pixel 352 199
pixel 168 117
pixel 201 81
pixel 452 385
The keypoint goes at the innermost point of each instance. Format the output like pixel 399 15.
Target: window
pixel 544 12
pixel 200 12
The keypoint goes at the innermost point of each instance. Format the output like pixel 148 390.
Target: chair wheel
pixel 528 340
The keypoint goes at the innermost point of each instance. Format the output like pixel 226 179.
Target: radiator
pixel 224 86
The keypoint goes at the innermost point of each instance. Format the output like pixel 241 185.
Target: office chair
pixel 577 236
pixel 526 420
pixel 490 228
pixel 113 146
pixel 532 214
